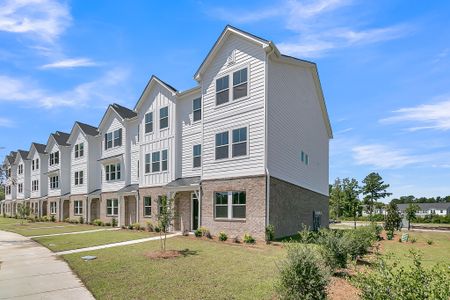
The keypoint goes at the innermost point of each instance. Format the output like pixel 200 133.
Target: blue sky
pixel 384 68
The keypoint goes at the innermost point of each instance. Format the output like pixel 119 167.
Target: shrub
pixel 223 236
pixel 150 226
pixel 123 227
pixel 390 235
pixel 107 224
pixel 390 281
pixel 44 219
pixel 307 236
pixel 67 220
pixel 400 240
pixel 270 233
pixel 303 274
pixel 157 229
pixel 81 220
pixel 97 222
pixel 130 226
pixel 52 218
pixel 136 226
pixel 114 222
pixel 413 240
pixel 430 242
pixel 248 239
pixel 198 232
pixel 334 248
pixel 202 231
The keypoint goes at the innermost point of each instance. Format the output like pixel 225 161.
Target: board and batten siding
pixel 248 111
pixel 189 134
pixel 39 174
pixel 79 164
pixel 157 97
pixel 133 148
pixel 62 169
pixel 295 124
pixel 24 178
pixel 112 124
pixel 94 167
pixel 9 181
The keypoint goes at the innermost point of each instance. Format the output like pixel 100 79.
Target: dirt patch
pixel 341 289
pixel 169 254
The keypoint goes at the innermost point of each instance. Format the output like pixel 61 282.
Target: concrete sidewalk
pixel 31 271
pixel 75 232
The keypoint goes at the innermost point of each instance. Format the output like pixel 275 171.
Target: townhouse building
pixel 38 179
pixel 8 206
pixel 246 147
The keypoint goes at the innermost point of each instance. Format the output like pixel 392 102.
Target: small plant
pixel 223 236
pixel 97 222
pixel 107 224
pixel 67 220
pixel 53 218
pixel 157 229
pixel 413 240
pixel 150 226
pixel 81 220
pixel 114 222
pixel 248 239
pixel 198 232
pixel 136 226
pixel 44 219
pixel 390 234
pixel 270 233
pixel 430 242
pixel 237 240
pixel 400 240
pixel 123 227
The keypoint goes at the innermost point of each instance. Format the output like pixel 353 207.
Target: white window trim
pixel 112 207
pixel 230 144
pixel 201 154
pixel 168 119
pixel 230 72
pixel 75 177
pixel 75 151
pixel 53 208
pixel 145 206
pixel 194 110
pixel 56 181
pixel 78 209
pixel 115 172
pixel 112 135
pixel 153 123
pixel 160 162
pixel 229 206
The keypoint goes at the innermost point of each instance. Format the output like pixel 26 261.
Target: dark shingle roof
pixel 61 138
pixel 23 154
pixel 40 148
pixel 124 112
pixel 11 157
pixel 181 182
pixel 131 188
pixel 426 206
pixel 88 129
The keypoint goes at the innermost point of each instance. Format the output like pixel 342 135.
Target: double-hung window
pixel 148 122
pixel 239 147
pixel 78 207
pixel 79 177
pixel 53 208
pixel 32 165
pixel 54 158
pixel 113 139
pixel 20 187
pixel 240 84
pixel 112 207
pixel 20 169
pixel 164 117
pixel 230 205
pixel 118 137
pixel 197 109
pixel 112 172
pixel 222 145
pixel 164 160
pixel 35 185
pixel 147 163
pixel 222 90
pixel 37 164
pixel 54 182
pixel 156 159
pixel 197 156
pixel 147 206
pixel 79 150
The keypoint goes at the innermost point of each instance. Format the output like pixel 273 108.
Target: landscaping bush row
pixel 222 236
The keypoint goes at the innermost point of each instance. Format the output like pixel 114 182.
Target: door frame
pixel 193 195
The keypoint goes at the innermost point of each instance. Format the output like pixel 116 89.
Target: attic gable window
pixel 197 109
pixel 222 90
pixel 35 164
pixel 240 84
pixel 20 169
pixel 148 122
pixel 54 158
pixel 164 117
pixel 79 150
pixel 113 139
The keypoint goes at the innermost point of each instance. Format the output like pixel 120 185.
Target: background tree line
pixel 412 199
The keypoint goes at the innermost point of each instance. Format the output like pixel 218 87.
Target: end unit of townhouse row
pixel 246 147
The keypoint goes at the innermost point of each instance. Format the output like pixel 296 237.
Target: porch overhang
pixel 186 184
pixel 129 190
pixel 110 159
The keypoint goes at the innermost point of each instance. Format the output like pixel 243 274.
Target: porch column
pixel 85 210
pixel 137 208
pixel 88 210
pixel 121 208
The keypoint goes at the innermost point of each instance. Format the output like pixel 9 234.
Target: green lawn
pixel 41 228
pixel 438 252
pixel 88 239
pixel 211 270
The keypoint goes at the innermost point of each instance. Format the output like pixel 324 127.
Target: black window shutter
pixel 120 137
pixel 106 141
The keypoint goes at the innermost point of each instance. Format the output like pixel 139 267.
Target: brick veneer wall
pixel 50 200
pixel 254 224
pixel 153 192
pixel 103 216
pixel 182 220
pixel 74 198
pixel 291 206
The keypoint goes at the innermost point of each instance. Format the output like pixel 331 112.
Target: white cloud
pixel 318 26
pixel 424 116
pixel 70 63
pixel 43 19
pixel 384 157
pixel 93 93
pixel 5 122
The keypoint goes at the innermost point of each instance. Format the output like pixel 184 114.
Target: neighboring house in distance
pixel 38 176
pixel 23 175
pixel 85 174
pixel 58 174
pixel 427 209
pixel 376 211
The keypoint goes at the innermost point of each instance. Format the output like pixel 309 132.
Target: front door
pixel 195 210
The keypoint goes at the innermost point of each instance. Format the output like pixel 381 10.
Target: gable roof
pixel 40 148
pixel 87 129
pixel 23 154
pixel 229 30
pixel 153 80
pixel 61 138
pixel 123 112
pixel 426 206
pixel 11 157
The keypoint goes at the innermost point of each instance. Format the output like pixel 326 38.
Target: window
pixel 54 182
pixel 20 187
pixel 239 142
pixel 304 158
pixel 222 145
pixel 53 208
pixel 78 207
pixel 164 160
pixel 79 177
pixel 37 164
pixel 112 207
pixel 197 109
pixel 230 205
pixel 112 172
pixel 54 158
pixel 147 206
pixel 32 164
pixel 79 150
pixel 164 117
pixel 222 90
pixel 20 169
pixel 156 161
pixel 35 185
pixel 240 84
pixel 8 190
pixel 148 122
pixel 197 156
pixel 147 163
pixel 113 139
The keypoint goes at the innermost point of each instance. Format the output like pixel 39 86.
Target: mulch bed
pixel 164 254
